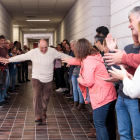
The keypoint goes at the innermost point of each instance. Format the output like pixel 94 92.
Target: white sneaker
pixel 1 106
pixel 59 90
pixel 14 93
pixel 64 89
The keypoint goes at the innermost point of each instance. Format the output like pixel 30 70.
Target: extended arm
pixel 87 78
pixel 131 59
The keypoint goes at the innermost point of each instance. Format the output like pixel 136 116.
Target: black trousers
pixel 19 73
pixel 25 70
pixel 110 122
pixel 58 77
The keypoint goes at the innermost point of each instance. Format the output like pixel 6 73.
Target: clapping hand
pixel 4 61
pixel 111 44
pixel 119 74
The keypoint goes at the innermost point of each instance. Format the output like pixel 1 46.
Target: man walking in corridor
pixel 42 74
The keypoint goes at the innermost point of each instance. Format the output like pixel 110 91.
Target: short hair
pixel 102 29
pixel 8 41
pixel 99 38
pixel 60 45
pixel 51 46
pixel 65 40
pixel 95 47
pixel 14 48
pixel 68 43
pixel 15 42
pixel 2 37
pixel 135 11
pixel 73 41
pixel 84 48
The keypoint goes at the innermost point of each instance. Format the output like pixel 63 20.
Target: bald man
pixel 42 74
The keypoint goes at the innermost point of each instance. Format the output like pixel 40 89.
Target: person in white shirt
pixel 42 74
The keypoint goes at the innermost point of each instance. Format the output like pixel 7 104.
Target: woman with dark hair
pixel 101 93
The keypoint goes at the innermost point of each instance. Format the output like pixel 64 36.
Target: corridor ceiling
pixel 22 10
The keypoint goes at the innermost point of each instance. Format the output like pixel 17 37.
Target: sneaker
pixel 64 89
pixel 14 92
pixel 69 96
pixel 1 106
pixel 59 90
pixel 38 120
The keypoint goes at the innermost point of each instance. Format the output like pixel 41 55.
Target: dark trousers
pixel 100 122
pixel 42 93
pixel 25 70
pixel 63 80
pixel 58 77
pixel 110 122
pixel 66 77
pixel 19 73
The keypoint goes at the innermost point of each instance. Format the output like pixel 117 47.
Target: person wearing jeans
pixel 13 69
pixel 77 94
pixel 102 94
pixel 6 85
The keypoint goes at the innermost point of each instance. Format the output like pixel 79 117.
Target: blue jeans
pixel 128 116
pixel 13 81
pixel 99 119
pixel 6 85
pixel 77 94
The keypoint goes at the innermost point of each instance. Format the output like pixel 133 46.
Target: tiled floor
pixel 17 119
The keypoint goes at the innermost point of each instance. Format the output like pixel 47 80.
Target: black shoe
pixel 1 104
pixel 17 85
pixel 38 120
pixel 28 80
pixel 7 98
pixel 4 102
pixel 90 118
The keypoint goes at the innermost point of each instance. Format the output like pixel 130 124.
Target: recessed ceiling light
pixel 37 38
pixel 37 29
pixel 15 25
pixel 30 12
pixel 38 20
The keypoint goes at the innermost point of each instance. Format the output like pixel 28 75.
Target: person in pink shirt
pixel 101 93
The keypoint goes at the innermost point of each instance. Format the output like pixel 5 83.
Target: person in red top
pixel 4 53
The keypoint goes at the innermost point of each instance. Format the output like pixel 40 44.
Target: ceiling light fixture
pixel 37 29
pixel 39 20
pixel 15 25
pixel 26 12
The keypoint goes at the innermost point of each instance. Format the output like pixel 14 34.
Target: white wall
pixel 16 32
pixel 82 20
pixel 120 22
pixel 21 38
pixel 6 23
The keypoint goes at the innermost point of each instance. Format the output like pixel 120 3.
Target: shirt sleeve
pixel 22 57
pixel 87 79
pixel 132 87
pixel 131 59
pixel 59 55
